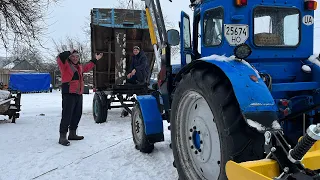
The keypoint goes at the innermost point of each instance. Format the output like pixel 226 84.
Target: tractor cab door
pixel 185 39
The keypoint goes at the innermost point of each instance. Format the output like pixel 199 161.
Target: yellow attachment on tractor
pixel 268 169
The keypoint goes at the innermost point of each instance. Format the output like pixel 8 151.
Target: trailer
pixel 114 32
pixel 10 104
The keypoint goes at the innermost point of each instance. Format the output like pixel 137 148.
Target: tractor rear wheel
pixel 207 128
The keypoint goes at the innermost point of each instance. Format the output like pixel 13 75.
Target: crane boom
pixel 157 26
pixel 162 49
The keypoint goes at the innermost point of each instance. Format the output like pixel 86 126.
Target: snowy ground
pixel 29 149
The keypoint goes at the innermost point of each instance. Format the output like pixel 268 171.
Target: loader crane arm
pixel 162 48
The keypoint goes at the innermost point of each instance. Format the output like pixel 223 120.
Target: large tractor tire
pixel 207 128
pixel 138 131
pixel 100 107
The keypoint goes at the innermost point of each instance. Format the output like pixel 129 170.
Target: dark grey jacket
pixel 141 64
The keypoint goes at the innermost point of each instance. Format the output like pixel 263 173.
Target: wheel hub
pixel 196 139
pixel 201 143
pixel 137 128
pixel 199 137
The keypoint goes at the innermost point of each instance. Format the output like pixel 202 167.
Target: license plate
pixel 236 33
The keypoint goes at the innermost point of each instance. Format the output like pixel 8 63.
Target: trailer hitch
pixel 290 159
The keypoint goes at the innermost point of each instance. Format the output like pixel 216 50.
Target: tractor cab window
pixel 276 26
pixel 212 27
pixel 186 34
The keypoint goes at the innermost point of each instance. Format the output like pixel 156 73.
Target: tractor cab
pixel 274 38
pixel 275 30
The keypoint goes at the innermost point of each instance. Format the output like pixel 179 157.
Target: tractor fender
pixel 255 100
pixel 151 115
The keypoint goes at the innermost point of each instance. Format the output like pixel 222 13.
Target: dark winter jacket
pixel 72 74
pixel 141 65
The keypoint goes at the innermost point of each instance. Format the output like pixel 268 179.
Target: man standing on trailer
pixel 72 90
pixel 139 68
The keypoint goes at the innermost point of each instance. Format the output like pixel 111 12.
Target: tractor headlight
pixel 242 51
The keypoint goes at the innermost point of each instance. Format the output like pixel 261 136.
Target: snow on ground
pixel 29 149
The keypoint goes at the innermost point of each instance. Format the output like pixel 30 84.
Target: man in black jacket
pixel 139 68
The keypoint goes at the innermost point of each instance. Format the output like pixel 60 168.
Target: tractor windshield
pixel 275 26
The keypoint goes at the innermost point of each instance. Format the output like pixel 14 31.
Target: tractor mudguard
pixel 151 115
pixel 254 98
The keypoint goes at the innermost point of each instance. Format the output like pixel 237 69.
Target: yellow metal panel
pixel 266 167
pixel 151 27
pixel 236 171
pixel 315 147
pixel 311 160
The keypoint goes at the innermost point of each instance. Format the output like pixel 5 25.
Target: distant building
pixel 18 65
pixel 24 65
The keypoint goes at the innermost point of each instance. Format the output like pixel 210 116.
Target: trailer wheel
pixel 100 108
pixel 138 131
pixel 207 128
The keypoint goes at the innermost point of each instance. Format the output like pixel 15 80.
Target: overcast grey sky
pixel 70 16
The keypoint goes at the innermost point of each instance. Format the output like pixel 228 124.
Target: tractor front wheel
pixel 207 128
pixel 138 131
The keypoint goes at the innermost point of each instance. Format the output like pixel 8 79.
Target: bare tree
pixel 73 43
pixel 25 53
pixel 129 4
pixel 86 28
pixel 22 21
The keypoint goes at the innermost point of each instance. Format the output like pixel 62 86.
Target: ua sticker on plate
pixel 307 20
pixel 236 33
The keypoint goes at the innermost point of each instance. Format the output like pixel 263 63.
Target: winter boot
pixel 73 135
pixel 124 113
pixel 63 139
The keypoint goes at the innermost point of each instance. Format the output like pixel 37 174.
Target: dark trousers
pixel 132 80
pixel 71 112
pixel 137 78
pixel 141 77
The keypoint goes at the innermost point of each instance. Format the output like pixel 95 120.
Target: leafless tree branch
pixel 25 53
pixel 22 21
pixel 73 43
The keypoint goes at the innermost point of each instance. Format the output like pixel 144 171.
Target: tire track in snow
pixel 79 160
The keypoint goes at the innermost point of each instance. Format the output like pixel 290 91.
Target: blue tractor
pixel 244 103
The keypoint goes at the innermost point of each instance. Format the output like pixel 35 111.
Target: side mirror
pixel 173 37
